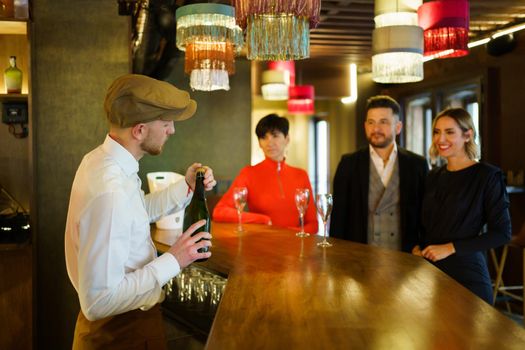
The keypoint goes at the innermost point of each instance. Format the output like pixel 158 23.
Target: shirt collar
pixel 391 157
pixel 274 164
pixel 127 162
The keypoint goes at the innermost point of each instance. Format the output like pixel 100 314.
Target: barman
pixel 110 257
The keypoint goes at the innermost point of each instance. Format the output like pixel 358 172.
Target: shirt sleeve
pixel 109 282
pixel 173 198
pixel 496 214
pixel 225 210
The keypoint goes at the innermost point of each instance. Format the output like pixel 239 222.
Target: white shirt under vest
pixel 384 170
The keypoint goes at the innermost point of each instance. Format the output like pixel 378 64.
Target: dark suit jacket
pixel 350 210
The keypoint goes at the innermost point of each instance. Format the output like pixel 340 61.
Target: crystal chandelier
pixel 277 29
pixel 211 39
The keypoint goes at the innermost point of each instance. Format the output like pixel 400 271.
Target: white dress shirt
pixel 110 257
pixel 384 170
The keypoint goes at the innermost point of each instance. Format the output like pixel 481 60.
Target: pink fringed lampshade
pixel 301 99
pixel 446 25
pixel 277 29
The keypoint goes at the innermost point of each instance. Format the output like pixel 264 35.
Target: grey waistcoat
pixel 384 223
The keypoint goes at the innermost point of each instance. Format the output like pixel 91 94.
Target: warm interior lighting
pixel 395 12
pixel 287 66
pixel 510 30
pixel 478 42
pixel 446 26
pixel 397 42
pixel 301 99
pixel 484 41
pixel 353 85
pixel 396 19
pixel 210 37
pixel 278 29
pixel 398 54
pixel 274 85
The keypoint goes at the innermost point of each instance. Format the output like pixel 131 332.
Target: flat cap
pixel 134 98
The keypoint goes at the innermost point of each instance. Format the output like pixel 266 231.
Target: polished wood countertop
pixel 284 292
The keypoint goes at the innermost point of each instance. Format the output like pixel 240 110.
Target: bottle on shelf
pixel 198 209
pixel 13 77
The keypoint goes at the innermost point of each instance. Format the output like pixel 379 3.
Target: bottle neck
pixel 199 187
pixel 12 61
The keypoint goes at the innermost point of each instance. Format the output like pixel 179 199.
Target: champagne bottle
pixel 198 209
pixel 13 77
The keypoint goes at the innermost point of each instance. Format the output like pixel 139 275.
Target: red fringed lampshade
pixel 301 99
pixel 445 24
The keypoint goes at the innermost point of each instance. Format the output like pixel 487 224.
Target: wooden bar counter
pixel 284 292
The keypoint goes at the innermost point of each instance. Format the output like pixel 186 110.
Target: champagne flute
pixel 302 197
pixel 324 204
pixel 240 195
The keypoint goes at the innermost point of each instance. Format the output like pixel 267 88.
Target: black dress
pixel 456 206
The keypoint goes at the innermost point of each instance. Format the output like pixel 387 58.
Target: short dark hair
pixel 271 123
pixel 383 101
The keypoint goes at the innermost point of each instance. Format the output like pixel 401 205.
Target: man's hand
pixel 438 252
pixel 185 248
pixel 417 251
pixel 191 175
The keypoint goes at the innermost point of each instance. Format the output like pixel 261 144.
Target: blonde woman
pixel 460 198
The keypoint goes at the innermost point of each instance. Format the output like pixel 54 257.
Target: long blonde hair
pixel 465 123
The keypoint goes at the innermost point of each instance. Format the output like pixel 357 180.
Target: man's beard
pixel 387 141
pixel 151 148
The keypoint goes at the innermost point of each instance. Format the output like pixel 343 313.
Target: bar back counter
pixel 284 292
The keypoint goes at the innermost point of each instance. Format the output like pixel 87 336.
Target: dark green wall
pixel 218 135
pixel 78 48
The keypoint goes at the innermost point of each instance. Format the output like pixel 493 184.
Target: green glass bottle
pixel 13 77
pixel 198 209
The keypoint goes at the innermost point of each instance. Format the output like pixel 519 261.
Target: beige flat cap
pixel 134 98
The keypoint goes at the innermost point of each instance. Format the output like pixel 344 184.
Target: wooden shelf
pixel 13 26
pixel 13 97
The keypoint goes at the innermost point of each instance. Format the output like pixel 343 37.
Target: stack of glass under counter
pixel 192 297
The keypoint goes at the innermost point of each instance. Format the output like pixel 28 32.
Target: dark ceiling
pixel 344 33
pixel 346 26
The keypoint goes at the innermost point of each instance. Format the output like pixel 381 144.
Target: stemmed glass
pixel 302 197
pixel 240 195
pixel 324 204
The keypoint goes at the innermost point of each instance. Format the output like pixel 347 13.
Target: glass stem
pixel 324 222
pixel 239 227
pixel 301 218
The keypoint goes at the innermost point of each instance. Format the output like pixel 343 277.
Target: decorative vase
pixel 13 77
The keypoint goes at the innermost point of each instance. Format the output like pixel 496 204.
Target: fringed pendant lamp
pixel 276 80
pixel 397 42
pixel 286 66
pixel 446 25
pixel 301 99
pixel 211 39
pixel 277 29
pixel 274 85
